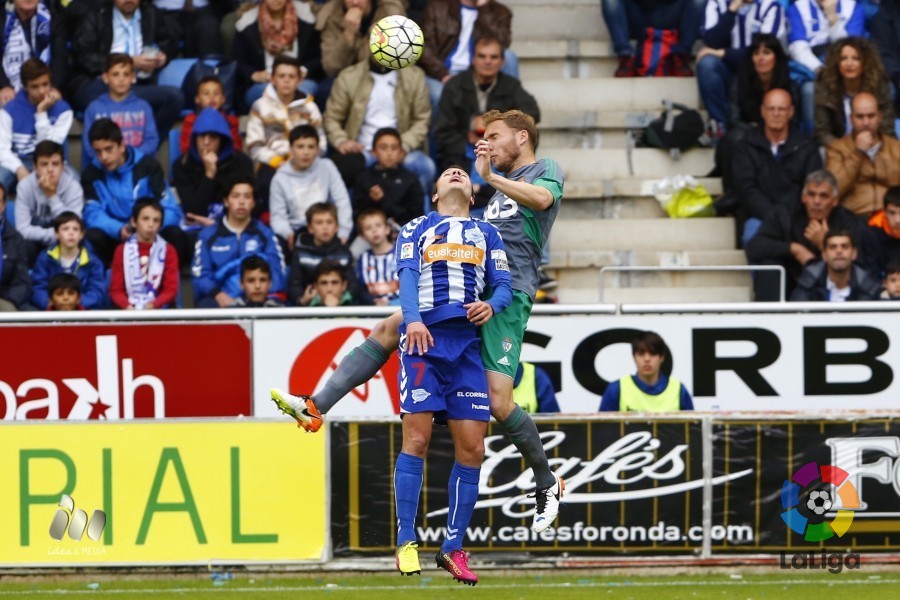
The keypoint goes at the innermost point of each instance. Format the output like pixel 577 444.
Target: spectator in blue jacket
pixel 36 113
pixel 222 246
pixel 728 28
pixel 813 25
pixel 116 177
pixel 650 389
pixel 132 114
pixel 69 255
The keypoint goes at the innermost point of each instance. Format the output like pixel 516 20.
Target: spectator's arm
pixel 8 159
pixel 420 108
pixel 854 26
pixel 19 290
pixel 202 271
pixel 686 403
pixel 610 400
pixel 118 293
pixel 717 26
pixel 195 196
pixel 97 218
pixel 341 199
pixel 94 293
pixel 279 213
pixel 844 167
pixel 168 292
pixel 55 132
pixel 150 143
pixel 40 276
pixel 546 395
pixel 275 258
pixel 336 111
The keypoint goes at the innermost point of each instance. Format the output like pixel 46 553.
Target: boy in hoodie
pixel 48 192
pixel 132 114
pixel 200 173
pixel 318 243
pixel 145 272
pixel 305 180
pixel 113 181
pixel 15 285
pixel 69 255
pixel 222 246
pixel 210 94
pixel 272 117
pixel 35 114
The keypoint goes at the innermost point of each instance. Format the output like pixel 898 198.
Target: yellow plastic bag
pixel 690 202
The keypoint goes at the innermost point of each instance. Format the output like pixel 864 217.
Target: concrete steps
pixel 643 234
pixel 611 94
pixel 572 19
pixel 593 165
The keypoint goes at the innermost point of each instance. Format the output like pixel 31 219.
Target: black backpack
pixel 677 129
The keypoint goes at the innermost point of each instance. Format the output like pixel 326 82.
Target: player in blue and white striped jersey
pixel 449 264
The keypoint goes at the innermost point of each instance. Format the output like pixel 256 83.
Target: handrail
pixel 684 268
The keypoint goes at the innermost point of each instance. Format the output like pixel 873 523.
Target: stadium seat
pixel 173 74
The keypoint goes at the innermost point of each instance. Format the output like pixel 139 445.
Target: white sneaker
pixel 547 501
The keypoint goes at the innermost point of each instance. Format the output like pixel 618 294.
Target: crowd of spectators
pixel 300 209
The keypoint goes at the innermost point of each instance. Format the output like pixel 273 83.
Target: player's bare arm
pixel 533 196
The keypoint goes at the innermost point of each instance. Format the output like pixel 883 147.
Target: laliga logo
pixel 807 519
pixel 321 356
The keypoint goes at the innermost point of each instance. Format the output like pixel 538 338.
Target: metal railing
pixel 782 281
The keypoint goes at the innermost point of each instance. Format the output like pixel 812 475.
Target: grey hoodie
pixel 35 212
pixel 293 191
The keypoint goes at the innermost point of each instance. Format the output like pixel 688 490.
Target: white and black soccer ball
pixel 819 502
pixel 396 42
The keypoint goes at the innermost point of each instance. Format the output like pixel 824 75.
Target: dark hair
pixel 48 148
pixel 230 182
pixel 64 281
pixel 118 58
pixel 749 85
pixel 319 208
pixel 143 203
pixel 284 59
pixel 67 217
pixel 515 120
pixel 386 131
pixel 32 69
pixel 489 38
pixel 649 341
pixel 833 233
pixel 303 131
pixel 105 129
pixel 893 267
pixel 211 79
pixel 370 212
pixel 892 196
pixel 255 262
pixel 330 266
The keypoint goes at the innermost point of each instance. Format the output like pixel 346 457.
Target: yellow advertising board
pixel 161 493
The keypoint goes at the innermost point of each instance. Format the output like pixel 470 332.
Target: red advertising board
pixel 80 372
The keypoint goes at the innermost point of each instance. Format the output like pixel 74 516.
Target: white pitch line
pixel 421 588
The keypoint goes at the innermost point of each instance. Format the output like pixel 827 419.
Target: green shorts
pixel 501 337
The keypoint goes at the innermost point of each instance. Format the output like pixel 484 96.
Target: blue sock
pixel 463 489
pixel 408 472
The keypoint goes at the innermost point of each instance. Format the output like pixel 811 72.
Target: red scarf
pixel 880 221
pixel 278 37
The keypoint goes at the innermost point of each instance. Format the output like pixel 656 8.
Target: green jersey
pixel 524 230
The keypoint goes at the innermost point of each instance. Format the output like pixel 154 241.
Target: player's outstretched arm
pixel 533 196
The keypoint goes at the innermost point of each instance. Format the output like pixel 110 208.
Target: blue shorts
pixel 448 380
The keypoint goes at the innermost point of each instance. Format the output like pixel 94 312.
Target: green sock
pixel 359 366
pixel 524 434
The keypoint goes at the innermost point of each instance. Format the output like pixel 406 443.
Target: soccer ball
pixel 396 42
pixel 819 502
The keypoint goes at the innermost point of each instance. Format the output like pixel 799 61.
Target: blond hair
pixel 515 120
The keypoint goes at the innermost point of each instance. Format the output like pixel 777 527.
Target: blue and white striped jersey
pixel 810 32
pixel 457 258
pixel 378 272
pixel 761 16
